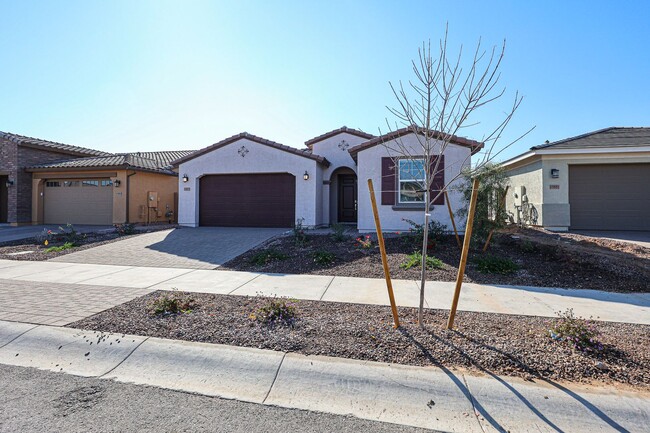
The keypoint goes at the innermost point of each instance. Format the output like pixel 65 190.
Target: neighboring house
pixel 18 152
pixel 249 181
pixel 133 187
pixel 595 181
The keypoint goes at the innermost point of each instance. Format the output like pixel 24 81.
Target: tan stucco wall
pixel 140 185
pixel 528 176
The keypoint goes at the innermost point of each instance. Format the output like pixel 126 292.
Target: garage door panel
pixel 78 201
pixel 247 200
pixel 610 197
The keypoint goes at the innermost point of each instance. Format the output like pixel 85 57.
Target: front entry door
pixel 347 198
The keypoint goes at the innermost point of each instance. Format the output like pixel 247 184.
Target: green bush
pixel 276 312
pixel 324 257
pixel 125 229
pixel 415 260
pixel 299 233
pixel 338 232
pixel 527 247
pixel 581 334
pixel 65 246
pixel 496 265
pixel 172 303
pixel 264 257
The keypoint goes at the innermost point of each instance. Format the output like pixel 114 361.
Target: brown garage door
pixel 78 201
pixel 247 200
pixel 610 197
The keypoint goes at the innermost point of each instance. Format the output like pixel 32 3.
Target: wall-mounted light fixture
pixel 186 178
pixel 116 183
pixel 555 173
pixel 306 175
pixel 9 183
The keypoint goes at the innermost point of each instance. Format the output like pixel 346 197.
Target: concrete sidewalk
pixel 53 280
pixel 426 397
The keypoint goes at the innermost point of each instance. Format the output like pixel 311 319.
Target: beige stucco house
pixel 595 181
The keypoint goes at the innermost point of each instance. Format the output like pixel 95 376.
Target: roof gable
pixel 256 139
pixel 475 146
pixel 344 129
pixel 38 143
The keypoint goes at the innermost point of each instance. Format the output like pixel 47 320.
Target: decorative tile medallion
pixel 343 145
pixel 243 151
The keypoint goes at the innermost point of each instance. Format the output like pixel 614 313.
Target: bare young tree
pixel 446 96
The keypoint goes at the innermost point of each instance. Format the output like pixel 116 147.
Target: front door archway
pixel 347 198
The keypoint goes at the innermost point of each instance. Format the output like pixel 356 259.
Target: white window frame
pixel 400 181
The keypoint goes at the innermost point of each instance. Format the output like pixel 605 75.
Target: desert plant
pixel 490 264
pixel 415 259
pixel 65 246
pixel 324 257
pixel 299 234
pixel 172 303
pixel 580 333
pixel 415 235
pixel 68 234
pixel 365 243
pixel 278 311
pixel 125 229
pixel 264 257
pixel 527 247
pixel 338 232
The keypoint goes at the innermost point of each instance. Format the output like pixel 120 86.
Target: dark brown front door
pixel 347 198
pixel 4 199
pixel 247 200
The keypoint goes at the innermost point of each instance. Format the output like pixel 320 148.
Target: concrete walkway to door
pixel 193 248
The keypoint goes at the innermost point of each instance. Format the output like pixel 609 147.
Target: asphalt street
pixel 38 401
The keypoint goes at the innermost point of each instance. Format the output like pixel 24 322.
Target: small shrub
pixel 68 234
pixel 264 257
pixel 276 312
pixel 364 243
pixel 125 229
pixel 324 258
pixel 172 303
pixel 527 247
pixel 414 260
pixel 65 246
pixel 579 333
pixel 338 232
pixel 415 235
pixel 299 235
pixel 496 265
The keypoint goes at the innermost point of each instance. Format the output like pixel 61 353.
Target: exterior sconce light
pixel 555 173
pixel 306 175
pixel 117 183
pixel 9 183
pixel 186 178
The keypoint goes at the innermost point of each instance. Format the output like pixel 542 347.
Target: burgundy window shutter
pixel 388 181
pixel 438 180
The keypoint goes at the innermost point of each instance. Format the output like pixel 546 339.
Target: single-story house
pixel 595 181
pixel 44 182
pixel 245 180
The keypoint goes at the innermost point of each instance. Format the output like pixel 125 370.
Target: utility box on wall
pixel 152 199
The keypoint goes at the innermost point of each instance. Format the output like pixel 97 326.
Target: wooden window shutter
pixel 388 181
pixel 438 179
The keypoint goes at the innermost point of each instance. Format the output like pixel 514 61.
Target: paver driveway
pixel 195 248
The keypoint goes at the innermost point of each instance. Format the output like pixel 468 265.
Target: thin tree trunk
pixel 423 273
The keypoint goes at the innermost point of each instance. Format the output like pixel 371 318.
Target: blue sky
pixel 163 75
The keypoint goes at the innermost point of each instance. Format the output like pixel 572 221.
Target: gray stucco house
pixel 596 181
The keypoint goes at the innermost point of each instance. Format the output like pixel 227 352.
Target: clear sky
pixel 165 75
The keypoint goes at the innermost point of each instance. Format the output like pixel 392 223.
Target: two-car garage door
pixel 610 196
pixel 247 200
pixel 78 201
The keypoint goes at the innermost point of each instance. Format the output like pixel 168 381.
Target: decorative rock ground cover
pixel 482 342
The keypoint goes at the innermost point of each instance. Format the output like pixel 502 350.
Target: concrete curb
pixel 428 397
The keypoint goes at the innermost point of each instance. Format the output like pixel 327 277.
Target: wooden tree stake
pixel 453 222
pixel 463 257
pixel 382 249
pixel 502 202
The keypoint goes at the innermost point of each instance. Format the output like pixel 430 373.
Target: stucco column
pixel 37 201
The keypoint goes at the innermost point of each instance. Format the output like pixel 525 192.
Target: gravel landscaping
pixel 33 250
pixel 542 259
pixel 483 342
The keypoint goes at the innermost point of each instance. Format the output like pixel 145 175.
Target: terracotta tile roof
pixel 50 145
pixel 149 161
pixel 609 137
pixel 309 143
pixel 256 139
pixel 461 141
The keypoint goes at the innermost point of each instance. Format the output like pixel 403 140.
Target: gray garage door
pixel 610 197
pixel 78 201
